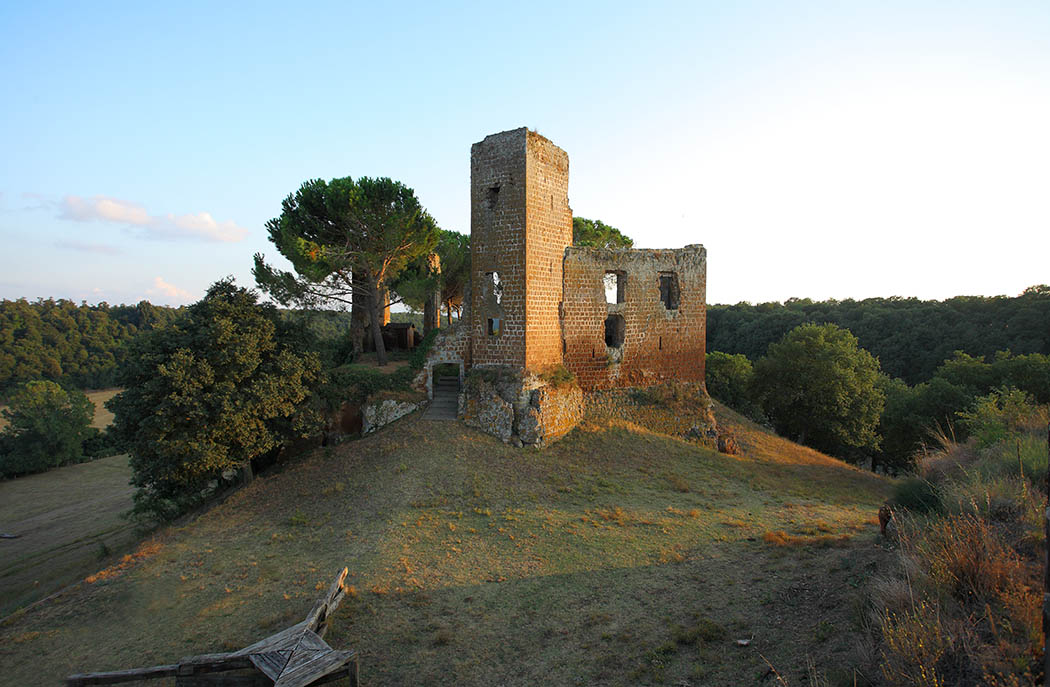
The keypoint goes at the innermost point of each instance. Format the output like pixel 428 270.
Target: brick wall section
pixel 548 231
pixel 658 343
pixel 520 225
pixel 498 174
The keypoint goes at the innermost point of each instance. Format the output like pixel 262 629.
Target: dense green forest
pixel 910 337
pixel 79 345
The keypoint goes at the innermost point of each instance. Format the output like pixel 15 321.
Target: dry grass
pixel 963 605
pixel 478 563
pixel 68 522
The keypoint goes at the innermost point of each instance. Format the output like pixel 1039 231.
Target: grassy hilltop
pixel 616 556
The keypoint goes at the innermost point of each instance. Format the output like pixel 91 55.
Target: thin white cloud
pixel 172 293
pixel 100 248
pixel 200 225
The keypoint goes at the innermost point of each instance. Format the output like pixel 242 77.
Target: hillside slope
pixel 616 556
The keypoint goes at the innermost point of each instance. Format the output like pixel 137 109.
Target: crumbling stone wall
pixel 658 342
pixel 552 413
pixel 519 407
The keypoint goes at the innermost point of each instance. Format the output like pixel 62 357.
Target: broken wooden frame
pixel 294 657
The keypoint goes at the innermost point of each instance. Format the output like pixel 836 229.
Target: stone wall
pixel 497 245
pixel 658 342
pixel 520 225
pixel 552 413
pixel 450 345
pixel 520 408
pixel 548 232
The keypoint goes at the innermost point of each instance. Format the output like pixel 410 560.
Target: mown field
pixel 615 557
pixel 67 521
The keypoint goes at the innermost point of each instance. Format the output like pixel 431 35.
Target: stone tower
pixel 520 226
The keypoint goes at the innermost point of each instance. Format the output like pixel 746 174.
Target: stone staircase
pixel 445 404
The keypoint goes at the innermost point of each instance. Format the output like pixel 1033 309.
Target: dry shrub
pixel 914 642
pixel 966 556
pixel 944 457
pixel 781 538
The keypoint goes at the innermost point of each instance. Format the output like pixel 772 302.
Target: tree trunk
pixel 377 330
pixel 359 317
pixel 448 308
pixel 431 312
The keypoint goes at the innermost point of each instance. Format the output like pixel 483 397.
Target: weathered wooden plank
pixel 113 677
pixel 325 663
pixel 254 679
pixel 318 617
pixel 300 658
pixel 272 663
pixel 285 639
pixel 310 641
pixel 212 663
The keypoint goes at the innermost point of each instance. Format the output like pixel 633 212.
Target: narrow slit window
pixel 495 286
pixel 615 330
pixel 615 284
pixel 494 326
pixel 669 290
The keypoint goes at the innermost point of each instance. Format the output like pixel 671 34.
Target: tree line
pixel 910 337
pixel 819 387
pixel 77 345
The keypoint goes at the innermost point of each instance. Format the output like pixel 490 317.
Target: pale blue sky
pixel 818 149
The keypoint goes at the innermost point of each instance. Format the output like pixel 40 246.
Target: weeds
pixel 963 605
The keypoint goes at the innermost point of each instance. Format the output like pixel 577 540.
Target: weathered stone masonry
pixel 536 302
pixel 658 342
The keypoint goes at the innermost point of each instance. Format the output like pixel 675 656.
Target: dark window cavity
pixel 669 290
pixel 615 329
pixel 494 326
pixel 492 197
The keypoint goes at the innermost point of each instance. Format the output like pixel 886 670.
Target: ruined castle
pixel 613 318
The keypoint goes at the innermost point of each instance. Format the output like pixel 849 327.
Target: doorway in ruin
pixel 443 385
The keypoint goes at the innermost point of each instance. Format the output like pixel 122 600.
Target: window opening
pixel 615 328
pixel 492 196
pixel 495 286
pixel 669 290
pixel 494 326
pixel 615 285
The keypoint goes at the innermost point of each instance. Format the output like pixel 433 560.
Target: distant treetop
pixel 597 234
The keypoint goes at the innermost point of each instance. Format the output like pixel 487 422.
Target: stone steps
pixel 445 404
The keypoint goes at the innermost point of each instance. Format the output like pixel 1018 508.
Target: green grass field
pixel 617 556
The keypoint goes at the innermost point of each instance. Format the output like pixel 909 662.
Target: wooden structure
pixel 294 657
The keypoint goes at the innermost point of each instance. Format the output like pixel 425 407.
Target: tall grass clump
pixel 963 604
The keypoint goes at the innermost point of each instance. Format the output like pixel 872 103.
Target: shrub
pixel 47 427
pixel 729 378
pixel 917 495
pixel 227 383
pixel 997 414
